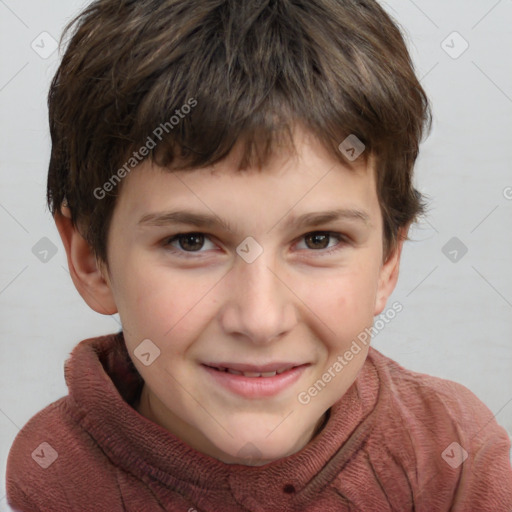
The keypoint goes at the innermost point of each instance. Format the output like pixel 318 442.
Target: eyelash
pixel 342 241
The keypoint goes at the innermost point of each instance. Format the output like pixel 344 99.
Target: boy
pixel 200 152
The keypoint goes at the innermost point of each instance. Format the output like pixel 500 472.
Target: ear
pixel 388 276
pixel 87 274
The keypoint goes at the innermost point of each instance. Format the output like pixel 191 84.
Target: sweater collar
pixel 103 383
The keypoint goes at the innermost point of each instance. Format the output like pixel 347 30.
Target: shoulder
pixel 440 400
pixel 443 436
pixel 51 455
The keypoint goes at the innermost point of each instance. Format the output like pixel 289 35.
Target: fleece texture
pixel 396 441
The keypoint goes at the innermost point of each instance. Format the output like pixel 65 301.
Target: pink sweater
pixel 386 447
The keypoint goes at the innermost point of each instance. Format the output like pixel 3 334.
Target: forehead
pixel 306 180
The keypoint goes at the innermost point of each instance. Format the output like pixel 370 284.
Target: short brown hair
pixel 254 68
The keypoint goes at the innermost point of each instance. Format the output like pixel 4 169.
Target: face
pixel 248 294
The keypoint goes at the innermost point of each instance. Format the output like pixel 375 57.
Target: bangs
pixel 180 83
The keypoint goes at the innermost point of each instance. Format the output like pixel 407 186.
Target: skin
pixel 295 302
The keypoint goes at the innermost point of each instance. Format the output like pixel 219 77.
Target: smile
pixel 253 374
pixel 252 381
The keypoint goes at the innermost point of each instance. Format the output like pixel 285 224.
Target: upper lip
pixel 258 368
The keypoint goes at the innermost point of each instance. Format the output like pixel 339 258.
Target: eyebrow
pixel 202 220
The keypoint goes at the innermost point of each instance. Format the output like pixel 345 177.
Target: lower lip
pixel 257 387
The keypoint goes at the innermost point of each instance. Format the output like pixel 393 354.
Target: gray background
pixel 457 317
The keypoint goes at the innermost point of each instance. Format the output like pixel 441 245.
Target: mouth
pixel 255 381
pixel 254 371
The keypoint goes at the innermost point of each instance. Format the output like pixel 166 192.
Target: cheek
pixel 145 300
pixel 163 305
pixel 345 305
pixel 352 295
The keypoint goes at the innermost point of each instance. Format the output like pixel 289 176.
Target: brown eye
pixel 318 240
pixel 189 245
pixel 191 241
pixel 323 243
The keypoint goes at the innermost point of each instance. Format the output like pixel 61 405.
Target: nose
pixel 259 305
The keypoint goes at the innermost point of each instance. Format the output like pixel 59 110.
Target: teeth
pixel 253 374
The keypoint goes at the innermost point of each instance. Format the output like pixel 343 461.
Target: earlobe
pixel 84 268
pixel 389 274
